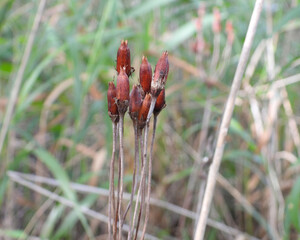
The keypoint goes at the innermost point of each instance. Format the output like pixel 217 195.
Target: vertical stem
pixel 149 178
pixel 142 183
pixel 134 176
pixel 111 202
pixel 214 168
pixel 118 201
pixel 121 132
pixel 139 191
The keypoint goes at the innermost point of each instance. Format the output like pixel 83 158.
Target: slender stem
pixel 149 178
pixel 121 132
pixel 214 168
pixel 134 176
pixel 137 138
pixel 142 183
pixel 118 201
pixel 139 191
pixel 111 201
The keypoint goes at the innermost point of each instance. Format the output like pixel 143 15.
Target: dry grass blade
pixel 214 168
pixel 91 213
pixel 154 202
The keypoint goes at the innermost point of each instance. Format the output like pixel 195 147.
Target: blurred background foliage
pixel 60 126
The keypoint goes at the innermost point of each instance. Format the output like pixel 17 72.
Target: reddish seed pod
pixel 135 102
pixel 123 58
pixel 145 75
pixel 111 102
pixel 160 103
pixel 143 113
pixel 122 91
pixel 229 31
pixel 217 21
pixel 160 75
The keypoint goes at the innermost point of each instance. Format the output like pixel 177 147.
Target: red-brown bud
pixel 199 21
pixel 217 21
pixel 123 58
pixel 122 91
pixel 143 114
pixel 160 75
pixel 160 103
pixel 229 31
pixel 135 102
pixel 145 75
pixel 111 102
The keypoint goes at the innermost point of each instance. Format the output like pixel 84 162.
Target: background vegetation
pixel 60 128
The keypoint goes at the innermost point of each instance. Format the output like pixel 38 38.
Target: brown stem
pixel 139 191
pixel 149 178
pixel 121 132
pixel 134 176
pixel 118 201
pixel 143 175
pixel 111 202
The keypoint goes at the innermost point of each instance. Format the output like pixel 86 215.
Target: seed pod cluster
pixel 147 96
pixel 150 86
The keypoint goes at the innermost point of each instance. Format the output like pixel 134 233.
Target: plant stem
pixel 214 168
pixel 149 178
pixel 145 144
pixel 121 132
pixel 139 191
pixel 111 201
pixel 118 201
pixel 134 177
pixel 143 175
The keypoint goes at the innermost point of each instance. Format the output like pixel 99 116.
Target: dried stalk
pixel 120 197
pixel 149 178
pixel 214 168
pixel 139 191
pixel 82 188
pixel 52 195
pixel 135 175
pixel 111 201
pixel 143 175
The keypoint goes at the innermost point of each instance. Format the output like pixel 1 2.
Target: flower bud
pixel 145 75
pixel 135 102
pixel 160 75
pixel 123 58
pixel 229 31
pixel 111 102
pixel 217 21
pixel 160 103
pixel 143 113
pixel 122 91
